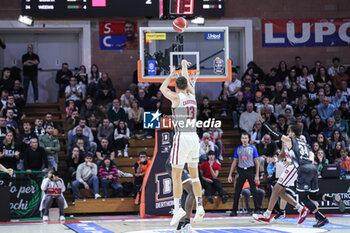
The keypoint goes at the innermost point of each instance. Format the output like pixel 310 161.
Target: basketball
pixel 180 24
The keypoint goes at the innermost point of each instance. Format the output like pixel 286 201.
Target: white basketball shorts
pixel 289 176
pixel 185 149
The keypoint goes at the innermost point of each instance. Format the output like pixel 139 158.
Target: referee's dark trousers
pixel 243 175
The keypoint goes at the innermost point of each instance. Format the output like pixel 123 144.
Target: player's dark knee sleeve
pixel 316 196
pixel 307 202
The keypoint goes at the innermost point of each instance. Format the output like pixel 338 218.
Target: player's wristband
pixel 271 130
pixel 275 159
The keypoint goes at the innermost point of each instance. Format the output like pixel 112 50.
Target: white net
pixel 193 76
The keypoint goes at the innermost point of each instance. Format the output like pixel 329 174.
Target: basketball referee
pixel 247 158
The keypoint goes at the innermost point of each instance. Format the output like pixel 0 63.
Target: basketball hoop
pixel 193 75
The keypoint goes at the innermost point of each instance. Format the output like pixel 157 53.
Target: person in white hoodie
pixel 53 181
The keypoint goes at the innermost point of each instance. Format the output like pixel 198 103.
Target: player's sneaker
pixel 188 229
pixel 198 218
pixel 278 216
pixel 177 215
pixel 321 222
pixel 262 217
pixel 339 202
pixel 303 214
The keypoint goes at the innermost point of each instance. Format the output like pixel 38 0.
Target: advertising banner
pixel 305 32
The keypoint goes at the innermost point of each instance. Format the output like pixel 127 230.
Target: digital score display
pixel 90 8
pixel 192 8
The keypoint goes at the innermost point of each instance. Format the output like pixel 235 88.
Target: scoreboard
pixel 124 8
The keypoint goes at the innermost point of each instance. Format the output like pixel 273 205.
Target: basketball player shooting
pixel 186 141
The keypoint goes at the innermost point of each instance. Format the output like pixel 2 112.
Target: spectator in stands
pixel 265 92
pixel 320 160
pixel 83 149
pixel 315 147
pixel 289 117
pixel 339 77
pixel 17 114
pixel 141 168
pixel 247 93
pixel 277 93
pixel 293 93
pixel 334 69
pixel 51 145
pixel 48 121
pixel 62 78
pixel 256 134
pixel 326 110
pixel 322 78
pixel 144 101
pixel 105 90
pixel 73 121
pixel 206 111
pixel 82 80
pixel 312 94
pixel 246 193
pixel 104 150
pixel 35 157
pixel 305 78
pixel 270 79
pixel 345 113
pixel 322 142
pixel 248 81
pixel 210 175
pixel 86 131
pixel 105 130
pixel 338 98
pixel 257 100
pixel 135 116
pixel 143 86
pixel 26 136
pixel 292 77
pixel 281 108
pixel 268 114
pixel 282 71
pixel 345 89
pixel 314 71
pixel 30 63
pixel 336 136
pixel 121 138
pixel 334 154
pixel 9 156
pixel 316 127
pixel 327 132
pixel 248 118
pixel 3 100
pixel 328 92
pixel 75 157
pixel 53 181
pixel 345 162
pixel 86 177
pixel 204 147
pixel 258 73
pixel 93 123
pixel 3 128
pixel 6 81
pixel 282 125
pixel 231 89
pixel 88 108
pixel 39 129
pixel 70 108
pixel 18 93
pixel 93 81
pixel 297 66
pixel 10 122
pixel 108 174
pixel 302 107
pixel 266 148
pixel 72 141
pixel 116 113
pixel 126 100
pixel 73 91
pixel 340 123
pixel 238 105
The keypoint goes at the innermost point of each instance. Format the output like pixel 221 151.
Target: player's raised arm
pixel 273 132
pixel 172 96
pixel 184 72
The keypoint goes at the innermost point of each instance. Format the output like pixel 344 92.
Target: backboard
pixel 207 48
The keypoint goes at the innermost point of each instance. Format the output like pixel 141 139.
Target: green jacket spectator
pixel 51 145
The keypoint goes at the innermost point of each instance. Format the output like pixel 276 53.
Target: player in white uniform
pixel 186 141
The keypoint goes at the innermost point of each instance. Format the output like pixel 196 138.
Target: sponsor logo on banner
pixel 218 66
pixel 151 120
pixel 151 67
pixel 213 36
pixel 87 228
pixel 305 32
pixel 112 42
pixel 156 36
